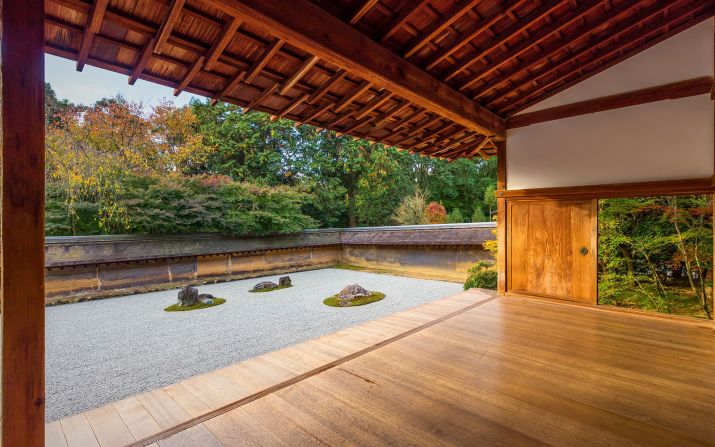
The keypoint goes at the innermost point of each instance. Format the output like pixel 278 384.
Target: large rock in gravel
pixel 284 281
pixel 265 285
pixel 188 296
pixel 353 291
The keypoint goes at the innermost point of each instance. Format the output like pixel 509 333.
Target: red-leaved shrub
pixel 436 214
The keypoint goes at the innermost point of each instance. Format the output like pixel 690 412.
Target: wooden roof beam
pixel 451 16
pixel 698 12
pixel 364 9
pixel 229 87
pixel 291 105
pixel 414 132
pixel 402 18
pixel 519 26
pixel 407 119
pixel 372 105
pixel 352 96
pixel 318 111
pixel 171 18
pixel 154 43
pixel 295 77
pixel 268 91
pixel 193 71
pixel 263 59
pixel 675 90
pixel 479 28
pixel 384 119
pixel 307 26
pixel 595 41
pixel 535 39
pixel 320 92
pixel 553 49
pixel 142 60
pixel 227 34
pixel 94 22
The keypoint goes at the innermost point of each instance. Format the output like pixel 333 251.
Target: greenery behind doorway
pixel 656 254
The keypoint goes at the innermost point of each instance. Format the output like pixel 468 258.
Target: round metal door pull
pixel 583 251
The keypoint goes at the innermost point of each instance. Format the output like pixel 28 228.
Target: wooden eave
pixel 437 77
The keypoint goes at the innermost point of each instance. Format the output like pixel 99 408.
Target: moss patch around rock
pixel 179 308
pixel 270 290
pixel 335 300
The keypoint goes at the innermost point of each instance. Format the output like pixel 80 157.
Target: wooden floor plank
pixel 238 428
pixel 54 435
pixel 138 420
pixel 78 431
pixel 109 428
pixel 165 410
pixel 196 436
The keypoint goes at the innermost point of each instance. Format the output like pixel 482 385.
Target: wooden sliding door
pixel 552 248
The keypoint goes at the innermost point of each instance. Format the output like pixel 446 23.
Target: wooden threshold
pixel 150 417
pixel 700 322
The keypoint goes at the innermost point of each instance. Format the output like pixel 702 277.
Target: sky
pixel 93 83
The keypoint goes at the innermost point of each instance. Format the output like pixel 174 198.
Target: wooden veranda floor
pixel 467 370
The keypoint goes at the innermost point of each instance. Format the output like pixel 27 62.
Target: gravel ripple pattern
pixel 103 351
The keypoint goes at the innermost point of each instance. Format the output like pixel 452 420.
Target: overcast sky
pixel 94 83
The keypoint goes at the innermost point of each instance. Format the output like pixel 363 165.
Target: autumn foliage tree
pixel 436 213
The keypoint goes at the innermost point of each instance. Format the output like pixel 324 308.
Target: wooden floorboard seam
pixel 144 442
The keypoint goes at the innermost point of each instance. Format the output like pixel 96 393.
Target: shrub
pixel 478 215
pixel 482 275
pixel 411 210
pixel 455 216
pixel 436 214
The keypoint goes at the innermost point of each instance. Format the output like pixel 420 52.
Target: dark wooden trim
pixel 22 221
pixel 502 249
pixel 312 29
pixel 675 90
pixel 635 189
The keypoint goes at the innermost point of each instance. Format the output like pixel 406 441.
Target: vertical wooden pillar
pixel 501 218
pixel 22 222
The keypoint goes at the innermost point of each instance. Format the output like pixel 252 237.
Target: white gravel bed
pixel 103 351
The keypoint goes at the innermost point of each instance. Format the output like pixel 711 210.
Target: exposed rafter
pixel 547 53
pixel 366 6
pixel 407 13
pixel 662 21
pixel 352 96
pixel 519 26
pixel 295 77
pixel 312 29
pixel 94 22
pixel 479 28
pixel 534 39
pixel 451 16
pixel 167 25
pixel 319 93
pixel 227 33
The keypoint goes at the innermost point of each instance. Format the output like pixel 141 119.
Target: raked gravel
pixel 103 351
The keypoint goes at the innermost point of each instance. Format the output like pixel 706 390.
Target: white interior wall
pixel 665 140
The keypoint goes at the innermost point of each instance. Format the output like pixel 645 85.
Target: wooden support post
pixel 22 222
pixel 501 219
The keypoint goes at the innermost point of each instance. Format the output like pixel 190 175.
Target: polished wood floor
pixel 465 371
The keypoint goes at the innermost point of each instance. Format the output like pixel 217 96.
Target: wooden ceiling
pixel 434 77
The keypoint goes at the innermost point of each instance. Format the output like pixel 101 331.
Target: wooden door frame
pixel 22 221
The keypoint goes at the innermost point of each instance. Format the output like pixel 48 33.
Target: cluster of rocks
pixel 189 296
pixel 351 293
pixel 282 282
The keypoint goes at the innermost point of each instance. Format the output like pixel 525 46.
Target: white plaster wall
pixel 665 140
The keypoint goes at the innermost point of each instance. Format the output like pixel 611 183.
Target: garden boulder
pixel 265 285
pixel 189 296
pixel 353 291
pixel 284 281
